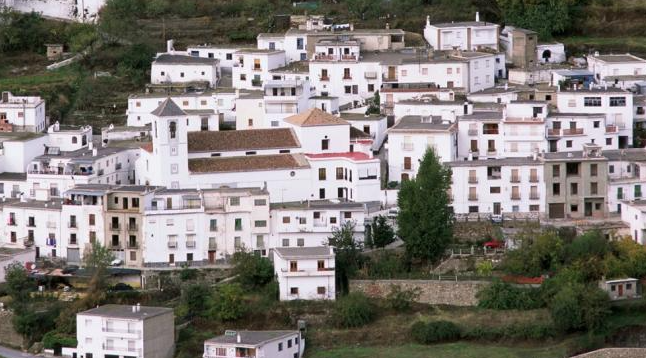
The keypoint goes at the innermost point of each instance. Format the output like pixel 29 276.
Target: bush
pixel 503 296
pixel 353 310
pixel 525 331
pixel 385 265
pixel 228 303
pixel 188 274
pixel 53 339
pixel 436 331
pixel 400 299
pixel 253 271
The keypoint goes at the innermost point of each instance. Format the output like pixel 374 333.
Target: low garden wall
pixel 434 292
pixel 615 353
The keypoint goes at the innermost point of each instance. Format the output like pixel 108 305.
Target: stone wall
pixel 435 292
pixel 615 353
pixel 8 336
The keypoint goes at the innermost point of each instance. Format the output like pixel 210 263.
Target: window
pixel 494 190
pixel 593 170
pixel 556 189
pixel 617 101
pixel 592 101
pixel 286 219
pixel 574 208
pixel 574 188
pixel 325 144
pixel 289 343
pixel 213 225
pixel 449 70
pixel 322 193
pixel 594 188
pixel 300 242
pixel 320 290
pixel 234 201
pixel 260 223
pixel 534 207
pixel 238 224
pixel 611 169
pixel 371 87
pixel 260 202
pixel 638 191
pixel 322 174
pixel 280 345
pixel 568 143
pixel 299 43
pixel 608 141
pixel 346 74
pixel 348 89
pixel 285 242
pixel 172 130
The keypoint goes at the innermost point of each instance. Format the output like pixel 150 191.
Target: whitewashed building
pixel 125 331
pixel 270 344
pixel 22 113
pixel 251 67
pixel 620 70
pixel 305 273
pixel 181 69
pixel 470 35
pixel 223 53
pixel 409 139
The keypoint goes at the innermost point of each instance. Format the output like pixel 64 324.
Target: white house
pixel 224 54
pixel 22 113
pixel 251 67
pixel 374 125
pixel 510 186
pixel 621 70
pixel 86 11
pixel 470 35
pixel 409 139
pixel 480 135
pixel 614 103
pixel 17 150
pixel 269 344
pixel 310 223
pixel 176 69
pixel 625 176
pixel 125 331
pixel 305 273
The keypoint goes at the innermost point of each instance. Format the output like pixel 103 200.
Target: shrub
pixel 253 271
pixel 53 339
pixel 187 274
pixel 400 299
pixel 436 331
pixel 503 296
pixel 353 310
pixel 228 303
pixel 525 331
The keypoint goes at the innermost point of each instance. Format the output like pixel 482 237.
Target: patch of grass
pixel 582 44
pixel 39 79
pixel 453 350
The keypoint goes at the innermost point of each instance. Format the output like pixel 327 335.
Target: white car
pixel 392 213
pixel 116 262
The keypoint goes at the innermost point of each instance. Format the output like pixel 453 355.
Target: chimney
pixel 90 145
pixel 138 307
pixel 387 26
pixel 477 16
pixel 428 20
pixel 351 26
pixel 170 46
pixel 134 309
pixel 506 86
pixel 238 339
pixel 95 152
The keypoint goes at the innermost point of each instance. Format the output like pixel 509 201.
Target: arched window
pixel 547 54
pixel 74 140
pixel 172 130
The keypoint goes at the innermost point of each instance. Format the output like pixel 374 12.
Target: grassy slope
pixel 453 350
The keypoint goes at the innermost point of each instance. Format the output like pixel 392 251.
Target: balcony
pixel 533 179
pixel 407 146
pixel 133 245
pixel 31 224
pixel 555 132
pixel 491 131
pixel 118 166
pixel 473 197
pixel 491 151
pixel 11 222
pixel 515 179
pixel 324 78
pixel 115 226
pixel 534 196
pixel 128 333
pixel 72 225
pixel 213 246
pixel 328 271
pixel 515 196
pixel 133 227
pixel 28 242
pixel 131 350
pixel 390 78
pixel 573 131
pixel 473 180
pixel 407 167
pixel 190 244
pixel 612 129
pixel 256 83
pixel 257 69
pixel 172 244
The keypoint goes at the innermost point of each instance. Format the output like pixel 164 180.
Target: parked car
pixel 393 212
pixel 70 269
pixel 496 219
pixel 116 262
pixel 494 244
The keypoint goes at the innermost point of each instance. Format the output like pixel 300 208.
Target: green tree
pixel 253 271
pixel 228 303
pixel 18 283
pixel 197 299
pixel 348 253
pixel 353 310
pixel 374 104
pixel 96 261
pixel 364 9
pixel 21 32
pixel 157 8
pixel 425 218
pixel 118 20
pixel 382 234
pixel 546 17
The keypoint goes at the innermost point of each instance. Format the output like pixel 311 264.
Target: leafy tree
pixel 382 234
pixel 546 17
pixel 425 218
pixel 53 340
pixel 484 268
pixel 353 310
pixel 96 261
pixel 503 296
pixel 228 303
pixel 537 254
pixel 118 20
pixel 363 9
pixel 21 32
pixel 253 271
pixel 135 62
pixel 578 307
pixel 348 253
pixel 374 104
pixel 18 283
pixel 196 298
pixel 156 8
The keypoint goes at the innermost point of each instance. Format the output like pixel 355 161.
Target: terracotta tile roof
pixel 248 139
pixel 148 147
pixel 315 117
pixel 248 163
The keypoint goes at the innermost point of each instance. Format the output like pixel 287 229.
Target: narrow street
pixel 12 353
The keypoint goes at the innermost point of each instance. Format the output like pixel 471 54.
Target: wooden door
pixel 620 289
pixel 211 256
